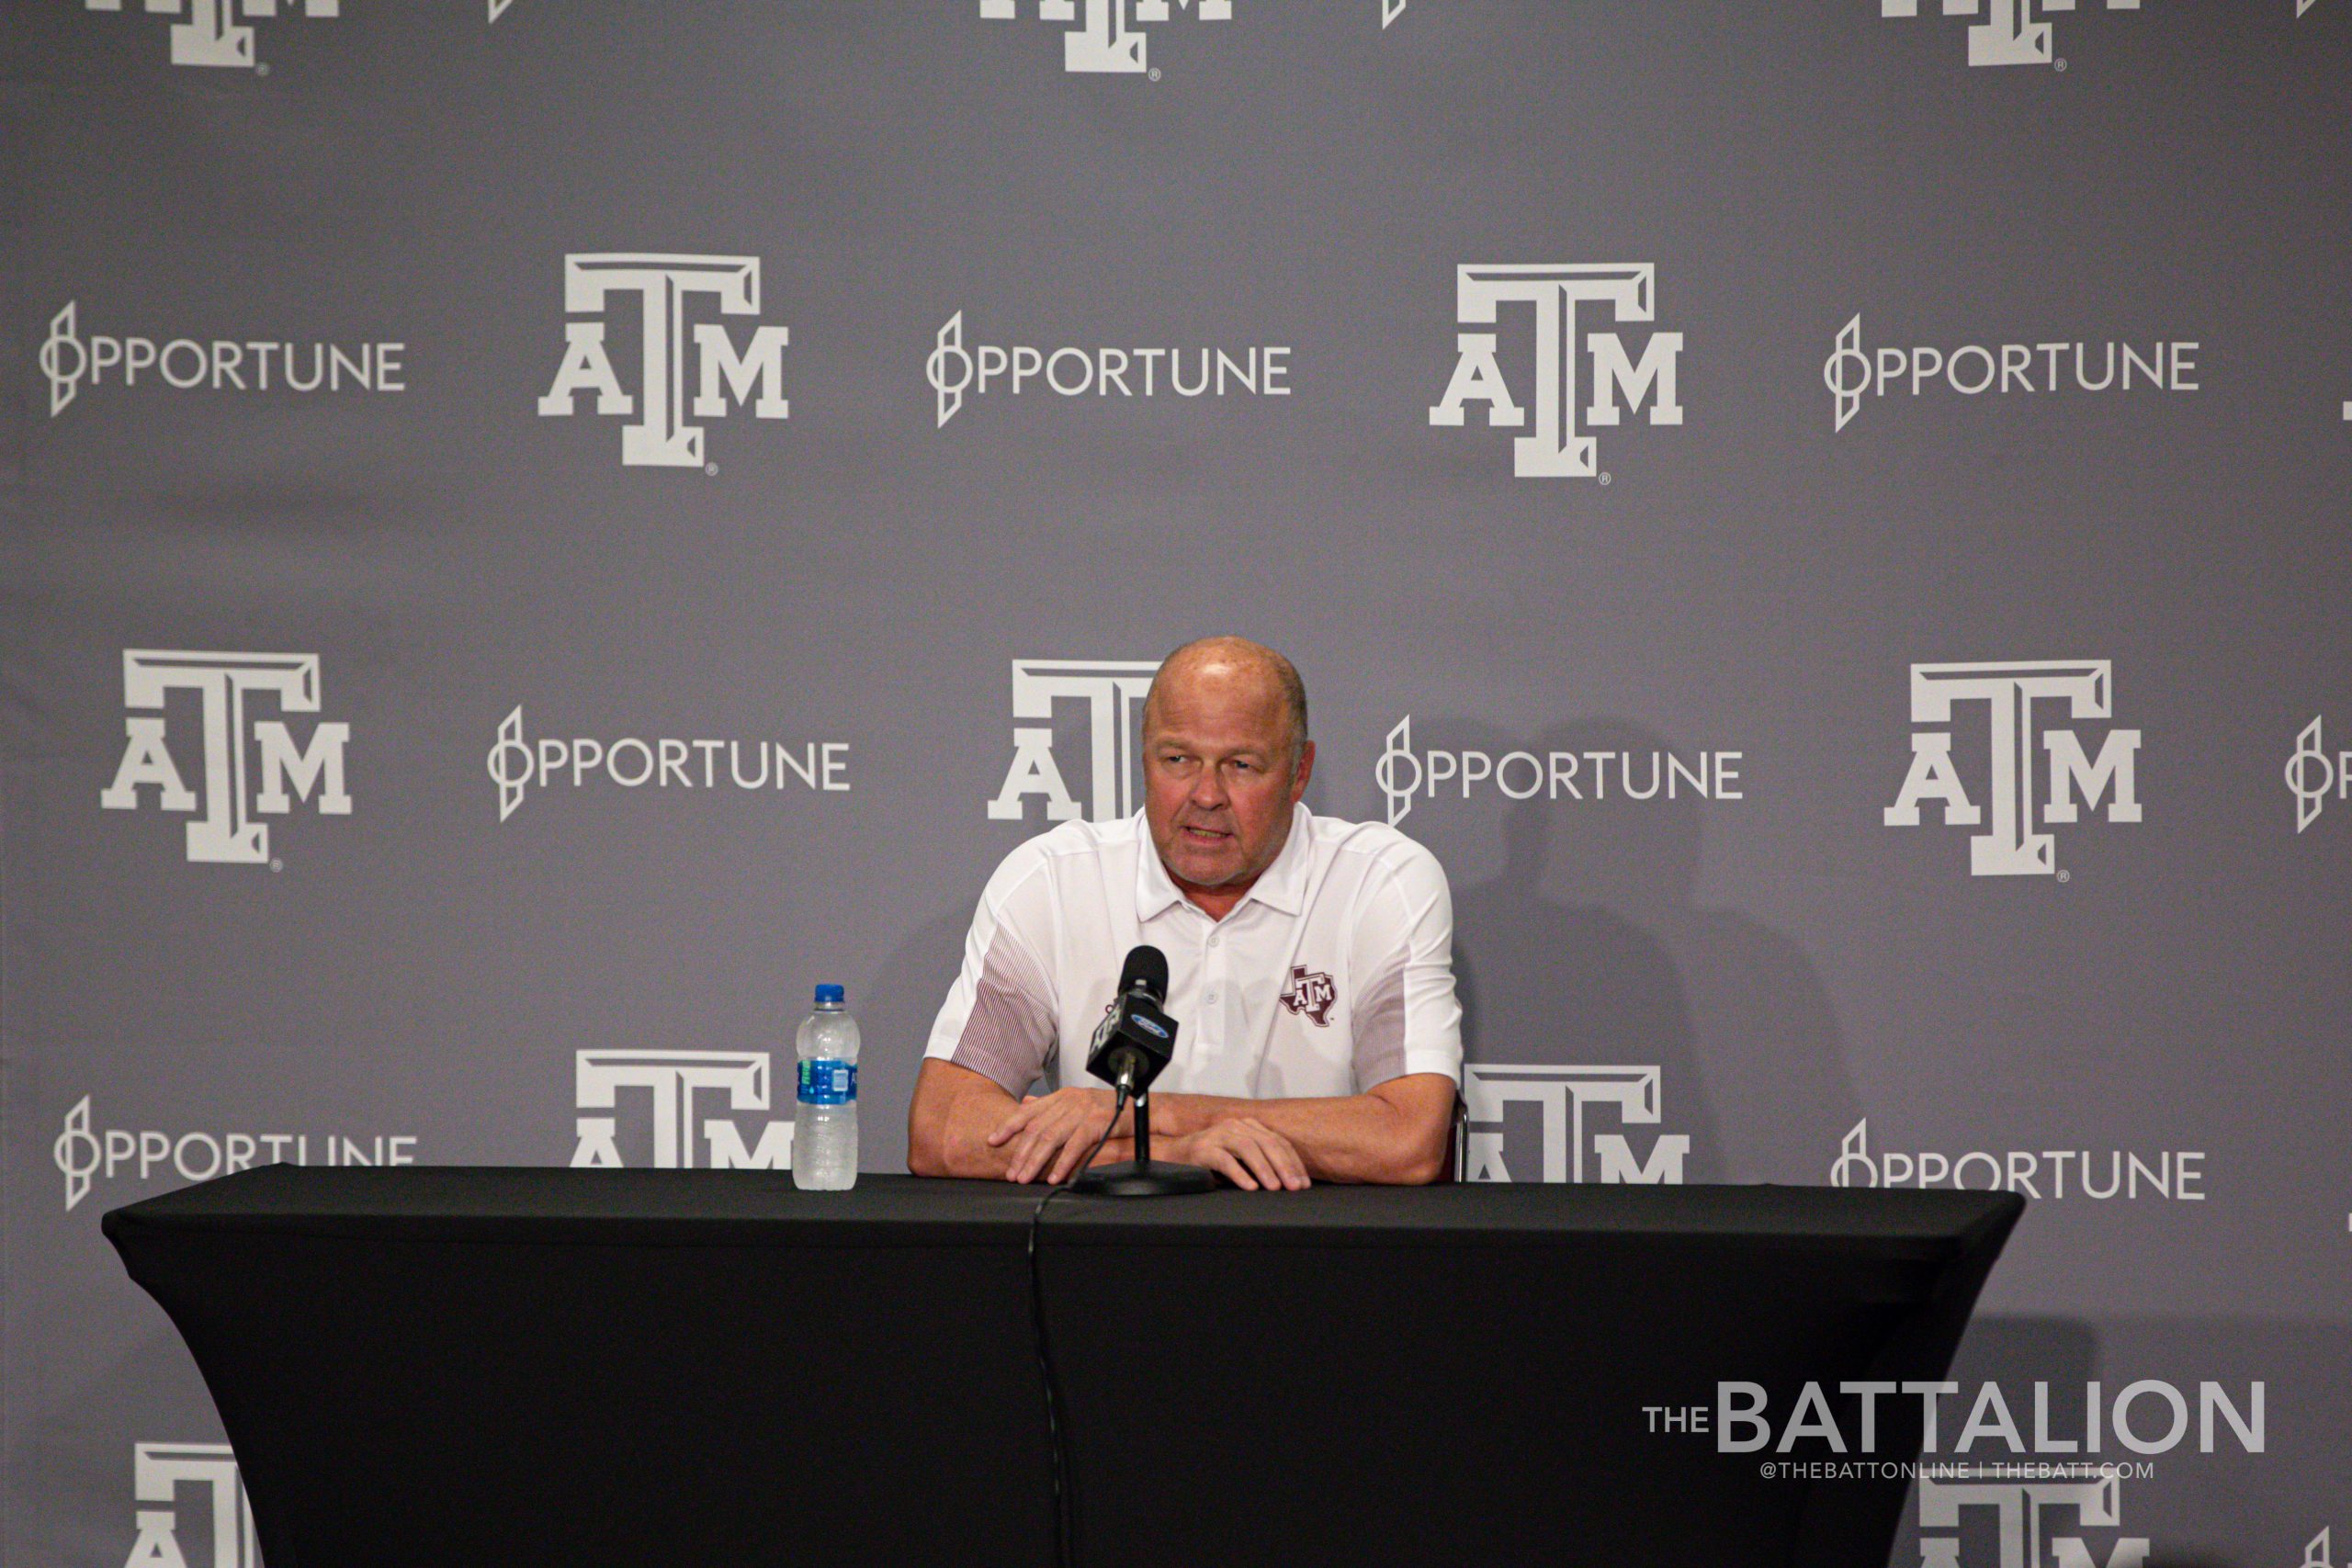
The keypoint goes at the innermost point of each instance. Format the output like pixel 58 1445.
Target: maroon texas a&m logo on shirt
pixel 1311 995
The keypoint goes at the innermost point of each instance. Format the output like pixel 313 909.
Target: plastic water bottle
pixel 824 1139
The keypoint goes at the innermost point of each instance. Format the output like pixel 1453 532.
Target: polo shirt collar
pixel 1156 893
pixel 1282 886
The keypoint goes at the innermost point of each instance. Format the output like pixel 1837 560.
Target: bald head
pixel 1225 762
pixel 1243 667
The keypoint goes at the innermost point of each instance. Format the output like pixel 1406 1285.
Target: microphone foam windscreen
pixel 1147 966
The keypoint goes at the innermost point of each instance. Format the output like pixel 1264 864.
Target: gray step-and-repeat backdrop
pixel 536 532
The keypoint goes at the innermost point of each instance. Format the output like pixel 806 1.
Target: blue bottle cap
pixel 833 994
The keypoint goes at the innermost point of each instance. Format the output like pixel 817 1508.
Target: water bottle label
pixel 825 1081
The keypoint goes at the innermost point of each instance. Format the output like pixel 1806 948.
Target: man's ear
pixel 1305 769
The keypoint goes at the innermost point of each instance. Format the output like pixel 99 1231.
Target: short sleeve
pixel 999 1018
pixel 1407 1016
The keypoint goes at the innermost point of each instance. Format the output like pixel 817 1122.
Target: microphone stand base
pixel 1145 1178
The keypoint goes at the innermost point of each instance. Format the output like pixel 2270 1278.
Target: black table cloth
pixel 432 1365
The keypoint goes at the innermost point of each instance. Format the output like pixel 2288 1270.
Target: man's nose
pixel 1208 790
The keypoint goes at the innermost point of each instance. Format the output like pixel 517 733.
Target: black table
pixel 426 1365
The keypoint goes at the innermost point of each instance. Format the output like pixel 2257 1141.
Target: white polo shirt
pixel 1334 972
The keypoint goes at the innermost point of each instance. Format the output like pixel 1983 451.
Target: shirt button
pixel 1212 940
pixel 1210 999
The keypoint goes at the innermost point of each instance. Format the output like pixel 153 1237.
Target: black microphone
pixel 1133 1045
pixel 1146 970
pixel 1135 1039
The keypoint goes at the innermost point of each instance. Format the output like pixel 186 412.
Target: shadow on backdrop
pixel 1581 940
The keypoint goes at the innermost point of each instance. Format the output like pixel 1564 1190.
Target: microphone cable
pixel 1064 1516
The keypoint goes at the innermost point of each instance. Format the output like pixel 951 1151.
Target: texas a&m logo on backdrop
pixel 659 435
pixel 2018 698
pixel 696 1101
pixel 1561 1097
pixel 2013 33
pixel 210 33
pixel 1109 39
pixel 1564 299
pixel 2029 1522
pixel 190 1495
pixel 248 766
pixel 1050 690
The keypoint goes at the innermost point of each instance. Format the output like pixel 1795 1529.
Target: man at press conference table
pixel 1310 965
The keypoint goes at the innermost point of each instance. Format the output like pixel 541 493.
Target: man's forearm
pixel 953 1115
pixel 955 1111
pixel 966 1151
pixel 1356 1137
pixel 952 1139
